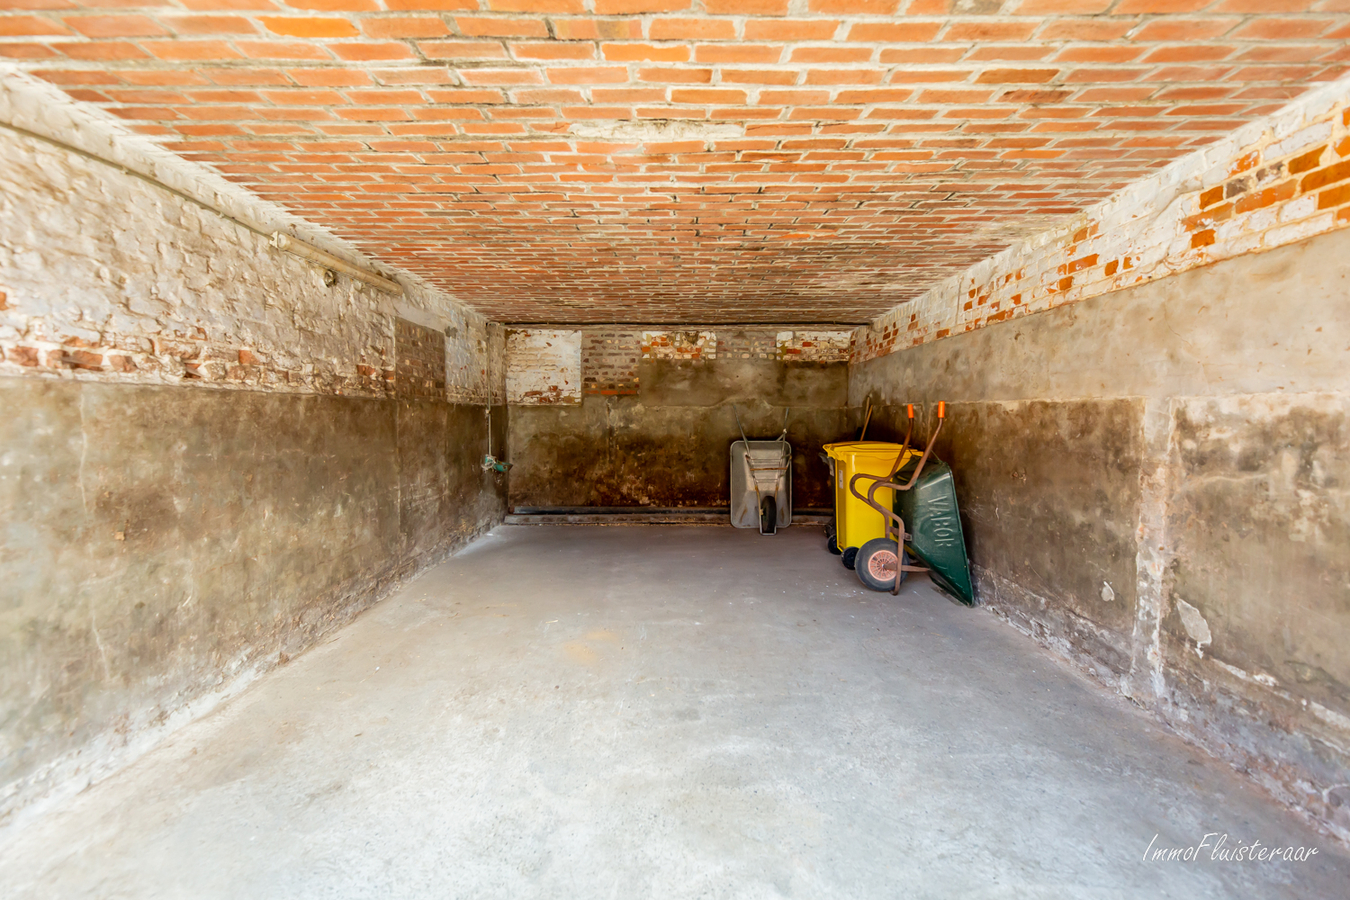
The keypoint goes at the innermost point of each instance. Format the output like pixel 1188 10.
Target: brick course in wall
pixel 107 277
pixel 813 346
pixel 609 357
pixel 748 343
pixel 420 367
pixel 1275 182
pixel 609 361
pixel 495 389
pixel 468 378
pixel 690 345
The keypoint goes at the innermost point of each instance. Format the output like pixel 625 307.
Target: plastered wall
pixel 1154 483
pixel 1148 424
pixel 209 457
pixel 637 416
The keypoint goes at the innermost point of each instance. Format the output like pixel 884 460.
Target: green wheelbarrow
pixel 924 493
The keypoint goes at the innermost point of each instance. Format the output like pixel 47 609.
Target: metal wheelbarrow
pixel 761 481
pixel 925 499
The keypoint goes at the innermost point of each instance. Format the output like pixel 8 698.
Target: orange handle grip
pixel 911 409
pixel 942 409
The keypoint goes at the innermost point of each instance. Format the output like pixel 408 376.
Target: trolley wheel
pixel 877 564
pixel 830 539
pixel 849 555
pixel 768 516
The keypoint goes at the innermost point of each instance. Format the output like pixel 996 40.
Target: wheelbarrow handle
pixel 880 481
pixel 892 520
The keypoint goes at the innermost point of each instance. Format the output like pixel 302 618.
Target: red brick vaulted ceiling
pixel 682 160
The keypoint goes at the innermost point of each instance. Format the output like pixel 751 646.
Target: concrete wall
pixel 654 422
pixel 1155 482
pixel 208 458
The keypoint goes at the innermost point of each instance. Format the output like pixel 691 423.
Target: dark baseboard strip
pixel 629 515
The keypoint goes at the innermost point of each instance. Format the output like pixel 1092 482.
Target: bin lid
pixel 883 449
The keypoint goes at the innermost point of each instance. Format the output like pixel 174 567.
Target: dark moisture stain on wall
pixel 1186 442
pixel 1049 497
pixel 1261 514
pixel 1261 562
pixel 668 445
pixel 158 540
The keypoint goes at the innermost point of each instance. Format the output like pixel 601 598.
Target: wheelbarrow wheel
pixel 768 516
pixel 877 564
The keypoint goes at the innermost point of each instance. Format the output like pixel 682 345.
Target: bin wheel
pixel 768 516
pixel 849 555
pixel 877 563
pixel 831 545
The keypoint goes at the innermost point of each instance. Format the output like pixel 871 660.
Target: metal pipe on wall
pixel 328 260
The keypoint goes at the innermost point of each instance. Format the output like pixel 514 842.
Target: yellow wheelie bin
pixel 856 523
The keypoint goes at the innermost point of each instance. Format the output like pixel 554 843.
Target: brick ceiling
pixel 682 160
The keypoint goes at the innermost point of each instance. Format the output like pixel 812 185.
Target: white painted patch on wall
pixel 1108 595
pixel 1260 678
pixel 1330 716
pixel 1195 626
pixel 543 367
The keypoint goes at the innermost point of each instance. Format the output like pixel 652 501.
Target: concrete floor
pixel 628 712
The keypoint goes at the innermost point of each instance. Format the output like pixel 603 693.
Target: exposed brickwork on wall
pixel 813 346
pixel 692 345
pixel 107 277
pixel 609 360
pixel 1273 183
pixel 543 366
pixel 420 366
pixel 610 356
pixel 496 364
pixel 772 159
pixel 747 343
pixel 472 373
